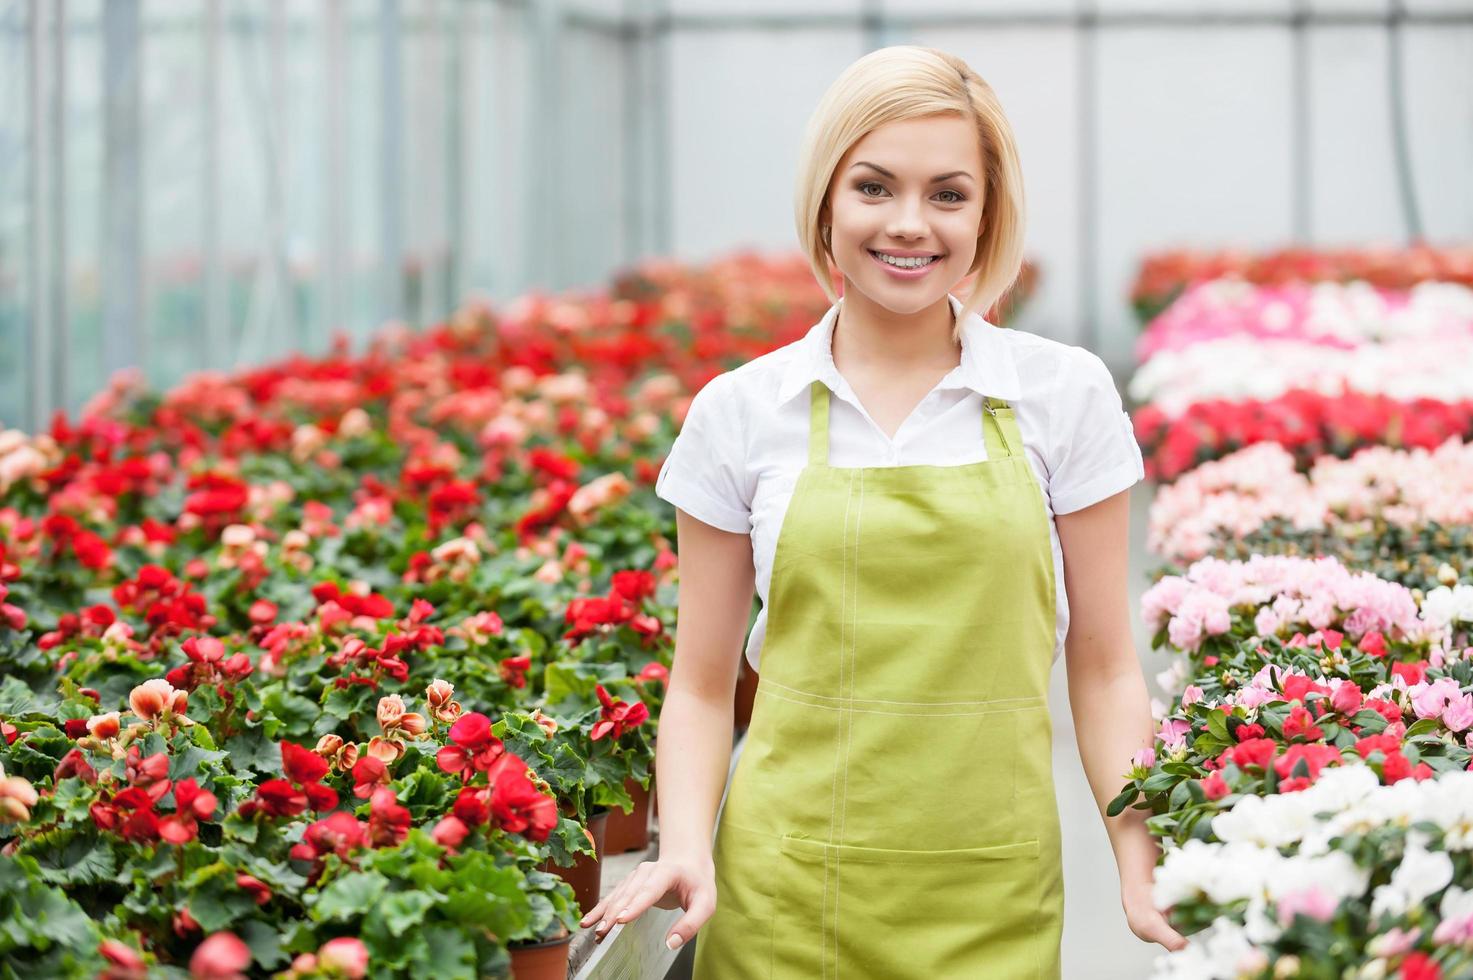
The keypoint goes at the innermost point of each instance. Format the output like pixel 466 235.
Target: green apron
pixel 892 814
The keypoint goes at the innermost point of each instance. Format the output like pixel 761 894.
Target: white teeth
pixel 914 263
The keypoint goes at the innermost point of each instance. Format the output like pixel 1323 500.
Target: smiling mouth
pixel 907 263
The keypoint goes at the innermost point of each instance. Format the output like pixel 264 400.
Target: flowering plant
pixel 1348 878
pixel 1164 275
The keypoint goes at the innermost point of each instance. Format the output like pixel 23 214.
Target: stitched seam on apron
pixel 838 748
pixel 848 719
pixel 917 704
pixel 893 714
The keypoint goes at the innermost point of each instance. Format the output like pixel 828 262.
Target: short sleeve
pixel 705 472
pixel 1092 449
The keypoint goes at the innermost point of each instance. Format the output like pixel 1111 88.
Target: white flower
pixel 1222 951
pixel 1420 874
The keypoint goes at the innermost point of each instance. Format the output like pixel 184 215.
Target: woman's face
pixel 883 199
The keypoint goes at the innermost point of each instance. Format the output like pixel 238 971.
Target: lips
pixel 901 272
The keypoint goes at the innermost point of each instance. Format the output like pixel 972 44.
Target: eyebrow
pixel 935 180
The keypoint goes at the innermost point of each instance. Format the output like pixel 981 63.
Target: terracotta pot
pixel 547 960
pixel 654 797
pixel 630 831
pixel 585 871
pixel 746 693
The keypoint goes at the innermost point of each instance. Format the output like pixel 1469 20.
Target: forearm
pixel 692 756
pixel 1112 722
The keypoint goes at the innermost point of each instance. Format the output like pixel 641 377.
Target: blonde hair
pixel 907 81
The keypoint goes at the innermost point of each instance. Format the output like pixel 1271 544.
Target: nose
pixel 908 220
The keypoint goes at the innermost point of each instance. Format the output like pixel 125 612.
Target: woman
pixel 922 500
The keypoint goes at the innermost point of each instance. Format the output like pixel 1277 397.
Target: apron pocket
pixel 886 912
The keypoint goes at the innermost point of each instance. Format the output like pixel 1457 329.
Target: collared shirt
pixel 745 437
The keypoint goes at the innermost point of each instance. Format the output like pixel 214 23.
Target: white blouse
pixel 745 437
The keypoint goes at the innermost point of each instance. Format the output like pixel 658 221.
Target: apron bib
pixel 892 814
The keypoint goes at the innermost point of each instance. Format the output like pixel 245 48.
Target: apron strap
pixel 1000 414
pixel 818 424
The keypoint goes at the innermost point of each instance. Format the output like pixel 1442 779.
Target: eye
pixel 871 183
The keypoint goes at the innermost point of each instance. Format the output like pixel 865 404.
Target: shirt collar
pixel 986 363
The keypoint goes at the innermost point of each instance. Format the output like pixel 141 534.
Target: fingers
pixel 619 900
pixel 599 910
pixel 702 904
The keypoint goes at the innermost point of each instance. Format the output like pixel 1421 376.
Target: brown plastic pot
pixel 585 871
pixel 547 960
pixel 630 831
pixel 746 694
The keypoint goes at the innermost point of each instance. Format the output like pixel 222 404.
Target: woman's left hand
pixel 1145 920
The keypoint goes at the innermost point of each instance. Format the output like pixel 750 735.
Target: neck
pixel 872 337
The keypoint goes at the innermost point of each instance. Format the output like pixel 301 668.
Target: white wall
pixel 1193 136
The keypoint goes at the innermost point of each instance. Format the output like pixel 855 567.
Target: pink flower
pixel 1144 759
pixel 17 796
pixel 1191 695
pixel 1394 942
pixel 253 886
pixel 1173 733
pixel 450 831
pixel 1458 714
pixel 1215 787
pixel 1348 698
pixel 1310 901
pixel 346 955
pixel 156 698
pixel 1429 700
pixel 223 956
pixel 124 962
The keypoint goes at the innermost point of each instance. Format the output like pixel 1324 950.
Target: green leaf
pixel 449 955
pixel 1422 726
pixel 1159 782
pixel 265 943
pixel 78 862
pixel 16 698
pixel 405 910
pixel 253 752
pixel 1124 799
pixel 218 905
pixel 349 897
pixel 294 713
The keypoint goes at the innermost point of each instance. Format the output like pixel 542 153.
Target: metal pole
pixel 335 181
pixel 214 339
pixel 1406 183
pixel 458 122
pixel 391 168
pixel 60 316
pixel 1087 83
pixel 37 348
pixel 122 237
pixel 1301 118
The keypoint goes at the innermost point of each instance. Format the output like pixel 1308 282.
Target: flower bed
pixel 1340 316
pixel 1165 275
pixel 323 668
pixel 1404 515
pixel 1309 778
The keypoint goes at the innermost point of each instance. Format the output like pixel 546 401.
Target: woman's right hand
pixel 670 883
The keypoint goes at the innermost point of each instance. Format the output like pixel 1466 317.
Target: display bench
pixel 634 950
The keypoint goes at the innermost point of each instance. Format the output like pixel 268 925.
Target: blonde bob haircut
pixel 907 81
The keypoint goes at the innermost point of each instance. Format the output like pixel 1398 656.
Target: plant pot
pixel 547 960
pixel 630 831
pixel 746 693
pixel 585 871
